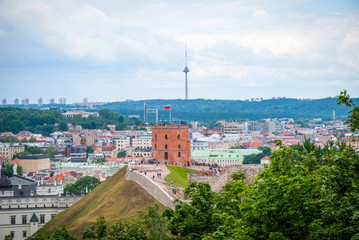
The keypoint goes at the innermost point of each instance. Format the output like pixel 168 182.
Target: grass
pixel 178 175
pixel 115 199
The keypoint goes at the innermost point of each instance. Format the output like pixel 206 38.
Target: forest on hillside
pixel 236 110
pixel 47 121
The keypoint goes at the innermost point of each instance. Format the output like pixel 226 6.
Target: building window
pixel 165 146
pixel 24 233
pixel 166 136
pixel 155 146
pixel 12 234
pixel 24 220
pixel 53 215
pixel 156 136
pixel 12 219
pixel 179 154
pixel 178 136
pixel 42 218
pixel 179 146
pixel 166 155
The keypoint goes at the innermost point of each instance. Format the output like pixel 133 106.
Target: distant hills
pixel 115 199
pixel 230 110
pixel 211 109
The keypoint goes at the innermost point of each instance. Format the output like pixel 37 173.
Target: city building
pixel 25 101
pixel 3 102
pixel 16 101
pixel 82 113
pixel 8 150
pixel 231 128
pixel 84 138
pixel 62 101
pixel 171 144
pixel 40 102
pixel 152 116
pixel 52 101
pixel 27 205
pixel 224 157
pixel 34 162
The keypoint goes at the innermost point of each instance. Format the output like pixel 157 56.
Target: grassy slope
pixel 178 175
pixel 115 199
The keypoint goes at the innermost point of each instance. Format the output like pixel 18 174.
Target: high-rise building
pixel 39 102
pixel 186 71
pixel 3 102
pixel 85 101
pixel 62 101
pixel 16 101
pixel 52 101
pixel 171 144
pixel 25 101
pixel 152 116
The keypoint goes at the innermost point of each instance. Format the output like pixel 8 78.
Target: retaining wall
pixel 218 181
pixel 151 187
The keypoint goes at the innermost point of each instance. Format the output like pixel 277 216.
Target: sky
pixel 116 50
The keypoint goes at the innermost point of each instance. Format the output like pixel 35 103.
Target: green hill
pixel 116 198
pixel 212 109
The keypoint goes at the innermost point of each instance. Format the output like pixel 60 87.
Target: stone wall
pixel 218 181
pixel 151 187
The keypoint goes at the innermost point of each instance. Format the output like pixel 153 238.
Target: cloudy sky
pixel 115 50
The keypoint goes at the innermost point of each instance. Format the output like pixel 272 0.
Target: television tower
pixel 186 70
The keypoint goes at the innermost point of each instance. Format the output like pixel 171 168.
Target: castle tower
pixel 186 71
pixel 171 144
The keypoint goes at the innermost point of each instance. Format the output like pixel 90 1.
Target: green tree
pixel 89 149
pixel 353 118
pixel 16 126
pixel 122 154
pixel 61 233
pixel 154 222
pixel 82 183
pixel 196 218
pixel 51 151
pixel 10 169
pixel 63 126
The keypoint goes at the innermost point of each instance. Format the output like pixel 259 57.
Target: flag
pixel 168 106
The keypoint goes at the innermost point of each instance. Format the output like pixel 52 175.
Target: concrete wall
pixel 151 187
pixel 218 181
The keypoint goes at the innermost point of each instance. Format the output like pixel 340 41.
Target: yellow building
pixel 8 150
pixel 34 162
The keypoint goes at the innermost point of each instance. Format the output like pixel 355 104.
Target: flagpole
pixel 170 115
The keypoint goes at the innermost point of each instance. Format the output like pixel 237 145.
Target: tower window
pixel 166 136
pixel 178 136
pixel 166 155
pixel 165 146
pixel 179 154
pixel 179 146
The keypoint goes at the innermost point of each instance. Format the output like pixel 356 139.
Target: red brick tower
pixel 171 144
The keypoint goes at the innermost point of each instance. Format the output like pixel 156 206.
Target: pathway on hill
pixel 151 178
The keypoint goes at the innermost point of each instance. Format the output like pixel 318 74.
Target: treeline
pixel 47 121
pixel 307 192
pixel 207 109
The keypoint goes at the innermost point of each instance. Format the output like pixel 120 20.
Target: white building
pixel 26 206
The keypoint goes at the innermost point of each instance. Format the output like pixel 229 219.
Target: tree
pixel 154 222
pixel 51 151
pixel 82 183
pixel 63 126
pixel 61 233
pixel 16 126
pixel 353 118
pixel 196 218
pixel 122 154
pixel 100 160
pixel 89 149
pixel 10 169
